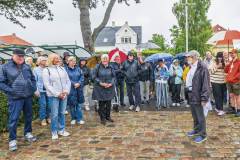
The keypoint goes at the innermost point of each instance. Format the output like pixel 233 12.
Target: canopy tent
pixel 6 51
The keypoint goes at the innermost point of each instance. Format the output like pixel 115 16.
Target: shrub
pixel 4 112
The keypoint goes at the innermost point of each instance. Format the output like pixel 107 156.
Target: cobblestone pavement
pixel 148 135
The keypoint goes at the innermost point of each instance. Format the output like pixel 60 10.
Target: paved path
pixel 148 135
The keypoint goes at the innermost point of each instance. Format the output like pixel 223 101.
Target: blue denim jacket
pixel 38 76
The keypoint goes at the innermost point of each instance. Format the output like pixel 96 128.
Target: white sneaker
pixel 178 104
pixel 217 110
pixel 87 108
pixel 54 136
pixel 187 105
pixel 64 133
pixel 13 145
pixel 221 113
pixel 66 112
pixel 73 122
pixel 81 122
pixel 174 104
pixel 137 109
pixel 131 107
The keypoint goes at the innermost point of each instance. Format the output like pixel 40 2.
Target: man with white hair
pixel 198 86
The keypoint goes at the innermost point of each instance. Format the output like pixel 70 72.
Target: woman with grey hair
pixel 104 88
pixel 44 110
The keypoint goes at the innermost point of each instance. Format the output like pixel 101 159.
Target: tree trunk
pixel 89 38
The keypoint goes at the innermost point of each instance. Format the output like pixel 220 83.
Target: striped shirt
pixel 217 75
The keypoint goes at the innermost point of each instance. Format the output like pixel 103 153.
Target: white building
pixel 123 37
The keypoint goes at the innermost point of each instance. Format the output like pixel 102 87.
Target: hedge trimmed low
pixel 4 112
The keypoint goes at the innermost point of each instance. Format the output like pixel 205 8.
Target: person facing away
pixel 198 85
pixel 57 84
pixel 103 91
pixel 131 71
pixel 18 83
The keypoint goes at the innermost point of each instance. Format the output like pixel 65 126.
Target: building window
pixel 126 40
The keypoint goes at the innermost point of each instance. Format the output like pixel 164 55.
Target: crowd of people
pixel 66 85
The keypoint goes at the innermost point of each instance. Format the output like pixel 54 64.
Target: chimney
pixel 14 34
pixel 113 24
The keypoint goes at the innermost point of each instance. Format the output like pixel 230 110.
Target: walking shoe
pixel 87 108
pixel 13 145
pixel 43 122
pixel 49 121
pixel 188 106
pixel 81 122
pixel 110 120
pixel 137 109
pixel 191 133
pixel 200 139
pixel 64 133
pixel 221 113
pixel 216 110
pixel 174 104
pixel 237 114
pixel 115 108
pixel 131 107
pixel 54 136
pixel 73 122
pixel 30 138
pixel 178 104
pixel 66 112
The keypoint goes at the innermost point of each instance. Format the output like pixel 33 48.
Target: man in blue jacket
pixel 18 83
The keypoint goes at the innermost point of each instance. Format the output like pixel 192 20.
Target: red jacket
pixel 233 73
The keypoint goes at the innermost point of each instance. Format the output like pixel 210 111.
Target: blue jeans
pixel 44 109
pixel 14 110
pixel 58 107
pixel 76 112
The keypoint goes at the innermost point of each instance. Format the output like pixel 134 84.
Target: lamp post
pixel 186 23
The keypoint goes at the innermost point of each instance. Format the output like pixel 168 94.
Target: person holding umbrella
pixel 131 70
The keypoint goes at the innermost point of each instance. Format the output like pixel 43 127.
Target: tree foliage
pixel 200 29
pixel 14 10
pixel 160 41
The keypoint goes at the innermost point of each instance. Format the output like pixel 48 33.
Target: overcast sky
pixel 155 16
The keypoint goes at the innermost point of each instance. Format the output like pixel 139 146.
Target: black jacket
pixel 131 71
pixel 102 74
pixel 145 73
pixel 118 71
pixel 87 74
pixel 200 85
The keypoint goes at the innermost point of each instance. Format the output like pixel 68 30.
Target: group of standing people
pixel 65 86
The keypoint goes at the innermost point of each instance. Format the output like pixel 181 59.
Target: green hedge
pixel 4 112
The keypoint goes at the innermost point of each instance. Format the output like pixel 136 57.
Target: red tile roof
pixel 14 40
pixel 230 35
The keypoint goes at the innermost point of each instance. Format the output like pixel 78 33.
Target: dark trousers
pixel 120 90
pixel 219 94
pixel 104 110
pixel 176 90
pixel 199 122
pixel 14 110
pixel 186 95
pixel 133 90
